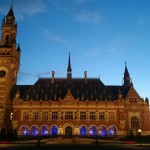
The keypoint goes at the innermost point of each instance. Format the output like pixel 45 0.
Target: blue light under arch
pixel 102 131
pixel 54 130
pixel 44 130
pixel 34 131
pixel 83 131
pixel 93 131
pixel 112 131
pixel 24 131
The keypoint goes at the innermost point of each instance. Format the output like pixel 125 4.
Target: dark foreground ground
pixel 28 145
pixel 74 147
pixel 75 144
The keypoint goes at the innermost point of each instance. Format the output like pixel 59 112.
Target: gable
pixel 133 96
pixel 69 99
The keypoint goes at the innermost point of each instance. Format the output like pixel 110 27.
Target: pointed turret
pixel 69 70
pixel 3 21
pixel 127 79
pixel 119 94
pixel 9 29
pixel 18 48
pixel 10 18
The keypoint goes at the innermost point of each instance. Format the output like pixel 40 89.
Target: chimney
pixel 85 76
pixel 53 73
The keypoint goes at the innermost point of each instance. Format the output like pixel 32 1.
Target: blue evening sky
pixel 101 35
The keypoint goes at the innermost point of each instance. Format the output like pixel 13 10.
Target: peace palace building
pixel 65 106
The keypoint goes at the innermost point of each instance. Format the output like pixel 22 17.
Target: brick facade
pixel 65 106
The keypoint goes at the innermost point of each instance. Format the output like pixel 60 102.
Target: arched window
pixel 7 40
pixel 112 131
pixel 135 122
pixel 93 131
pixel 24 131
pixel 102 131
pixel 34 131
pixel 54 130
pixel 83 131
pixel 44 130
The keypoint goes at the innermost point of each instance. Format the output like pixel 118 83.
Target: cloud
pixel 51 36
pixel 79 2
pixel 68 5
pixel 89 17
pixel 25 77
pixel 115 49
pixel 92 53
pixel 23 74
pixel 115 46
pixel 25 7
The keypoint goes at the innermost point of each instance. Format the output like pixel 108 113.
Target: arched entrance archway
pixel 83 131
pixel 68 131
pixel 112 131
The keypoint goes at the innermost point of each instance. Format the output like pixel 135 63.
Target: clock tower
pixel 9 67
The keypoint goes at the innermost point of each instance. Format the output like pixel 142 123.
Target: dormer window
pixel 37 97
pixel 82 97
pixel 55 97
pixel 27 97
pixel 46 97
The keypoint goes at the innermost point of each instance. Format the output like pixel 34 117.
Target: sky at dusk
pixel 101 35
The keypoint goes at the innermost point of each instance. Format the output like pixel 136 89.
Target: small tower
pixel 9 67
pixel 127 79
pixel 9 29
pixel 69 70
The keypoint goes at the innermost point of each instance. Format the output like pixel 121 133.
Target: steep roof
pixel 21 88
pixel 45 89
pixel 10 18
pixel 81 88
pixel 11 13
pixel 123 90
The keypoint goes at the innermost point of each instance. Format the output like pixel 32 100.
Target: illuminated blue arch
pixel 93 131
pixel 34 131
pixel 102 131
pixel 112 131
pixel 24 131
pixel 44 130
pixel 54 130
pixel 83 131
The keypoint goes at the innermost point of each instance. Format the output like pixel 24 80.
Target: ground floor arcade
pixel 68 130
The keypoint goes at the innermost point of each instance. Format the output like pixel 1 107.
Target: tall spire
pixel 10 18
pixel 12 3
pixel 127 79
pixel 9 28
pixel 69 70
pixel 126 73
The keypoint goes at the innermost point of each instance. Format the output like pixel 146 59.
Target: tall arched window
pixel 102 131
pixel 112 131
pixel 54 130
pixel 135 122
pixel 24 131
pixel 34 131
pixel 93 131
pixel 44 130
pixel 83 131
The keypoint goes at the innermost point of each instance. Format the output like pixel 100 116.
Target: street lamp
pixel 139 133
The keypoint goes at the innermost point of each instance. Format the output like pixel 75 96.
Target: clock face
pixel 2 73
